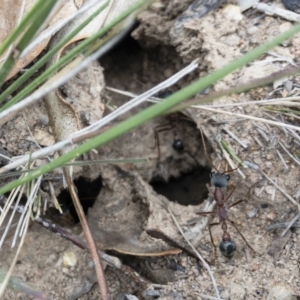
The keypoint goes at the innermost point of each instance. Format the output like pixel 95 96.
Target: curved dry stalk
pixel 89 237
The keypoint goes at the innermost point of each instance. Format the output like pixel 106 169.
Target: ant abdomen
pixel 219 180
pixel 227 248
pixel 178 145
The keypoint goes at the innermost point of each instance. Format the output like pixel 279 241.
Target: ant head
pixel 178 145
pixel 219 179
pixel 227 248
pixel 164 94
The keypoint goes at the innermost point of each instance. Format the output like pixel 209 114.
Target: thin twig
pixel 111 260
pixel 288 153
pixel 297 128
pixel 137 100
pixel 89 237
pixel 205 264
pixel 282 159
pixel 273 10
pixel 290 224
pixel 274 191
pixel 287 101
pixel 244 145
pixel 89 132
pixel 282 225
pixel 280 189
pixel 7 277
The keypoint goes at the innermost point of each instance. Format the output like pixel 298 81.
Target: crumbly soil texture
pixel 165 170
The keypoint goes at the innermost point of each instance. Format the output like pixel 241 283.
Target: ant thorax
pixel 219 179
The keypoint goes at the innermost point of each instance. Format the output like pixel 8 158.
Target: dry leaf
pixel 11 13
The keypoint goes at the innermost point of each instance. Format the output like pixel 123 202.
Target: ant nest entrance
pixel 171 146
pixel 182 168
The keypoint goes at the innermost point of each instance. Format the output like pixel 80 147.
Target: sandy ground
pixel 134 197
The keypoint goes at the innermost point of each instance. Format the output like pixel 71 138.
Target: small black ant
pixel 171 124
pixel 177 144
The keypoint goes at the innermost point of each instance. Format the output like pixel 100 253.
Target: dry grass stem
pixel 279 101
pixel 289 153
pixel 273 10
pixel 290 224
pixel 282 159
pixel 88 235
pixel 244 145
pixel 205 264
pixel 280 189
pixel 92 130
pixel 250 117
pixel 13 263
pixel 138 100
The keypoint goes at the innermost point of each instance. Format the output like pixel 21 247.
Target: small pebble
pixel 69 259
pixel 252 213
pixel 279 292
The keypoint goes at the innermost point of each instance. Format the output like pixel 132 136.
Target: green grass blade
pixel 19 30
pixel 37 20
pixel 16 84
pixel 154 110
pixel 70 55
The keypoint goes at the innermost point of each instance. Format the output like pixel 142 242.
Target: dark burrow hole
pixel 87 190
pixel 131 67
pixel 188 189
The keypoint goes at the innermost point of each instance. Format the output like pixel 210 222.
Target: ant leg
pixel 157 130
pixel 240 233
pixel 205 213
pixel 231 192
pixel 211 237
pixel 235 203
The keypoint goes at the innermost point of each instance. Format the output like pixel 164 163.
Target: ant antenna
pixel 205 149
pixel 226 147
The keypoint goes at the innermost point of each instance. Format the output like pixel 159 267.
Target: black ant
pixel 177 144
pixel 220 180
pixel 171 124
